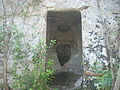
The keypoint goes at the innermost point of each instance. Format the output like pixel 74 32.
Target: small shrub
pixel 104 81
pixel 31 74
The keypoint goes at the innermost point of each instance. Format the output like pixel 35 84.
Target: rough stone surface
pixel 93 41
pixel 65 28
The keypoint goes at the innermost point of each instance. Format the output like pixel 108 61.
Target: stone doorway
pixel 65 27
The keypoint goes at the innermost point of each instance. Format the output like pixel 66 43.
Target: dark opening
pixel 65 28
pixel 63 53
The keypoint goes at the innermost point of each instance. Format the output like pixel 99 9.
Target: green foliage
pixel 30 69
pixel 33 74
pixel 24 12
pixel 1 85
pixel 104 81
pixel 55 89
pixel 2 35
pixel 36 2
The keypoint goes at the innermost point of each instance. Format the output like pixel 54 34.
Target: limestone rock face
pixel 91 45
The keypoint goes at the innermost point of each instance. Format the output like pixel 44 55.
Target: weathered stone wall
pixel 93 40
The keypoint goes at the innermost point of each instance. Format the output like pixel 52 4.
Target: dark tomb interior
pixel 63 53
pixel 65 28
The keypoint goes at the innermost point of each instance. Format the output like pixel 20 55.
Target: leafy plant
pixel 104 81
pixel 33 74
